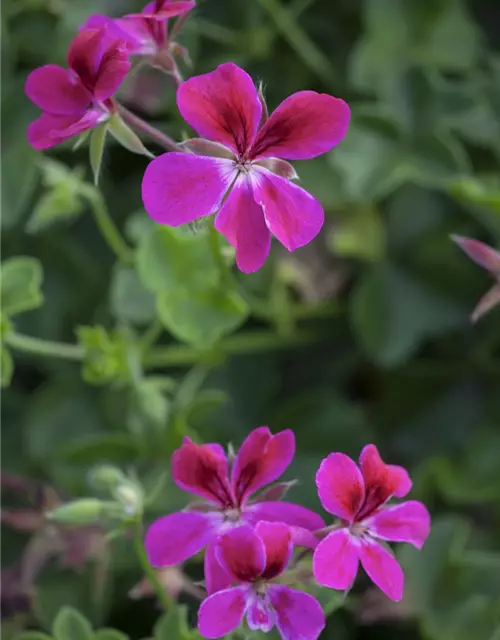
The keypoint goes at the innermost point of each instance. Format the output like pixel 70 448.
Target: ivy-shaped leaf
pixel 21 279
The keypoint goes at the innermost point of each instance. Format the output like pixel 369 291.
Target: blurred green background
pixel 364 336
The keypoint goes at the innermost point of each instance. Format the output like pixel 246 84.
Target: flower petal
pixel 85 54
pixel 216 577
pixel 242 553
pixel 259 614
pixel 293 215
pixel 222 612
pixel 382 568
pixel 166 9
pixel 277 539
pixel 51 88
pixel 49 130
pixel 406 522
pixel 203 470
pixel 490 299
pixel 222 105
pixel 482 254
pixel 178 536
pixel 335 560
pixel 179 187
pixel 305 125
pixel 298 615
pixel 241 221
pixel 261 459
pixel 340 486
pixel 291 514
pixel 114 67
pixel 381 480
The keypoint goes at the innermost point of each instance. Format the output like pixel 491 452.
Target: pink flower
pixel 245 182
pixel 143 33
pixel 76 99
pixel 205 471
pixel 359 499
pixel 489 259
pixel 253 558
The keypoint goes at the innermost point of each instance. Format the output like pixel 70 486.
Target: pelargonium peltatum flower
pixel 143 33
pixel 254 558
pixel 226 489
pixel 76 99
pixel 358 498
pixel 236 169
pixel 488 258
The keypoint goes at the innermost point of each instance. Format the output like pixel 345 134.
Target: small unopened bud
pixel 84 511
pixel 106 477
pixel 130 496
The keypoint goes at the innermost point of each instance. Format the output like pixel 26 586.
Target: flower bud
pixel 78 512
pixel 130 496
pixel 106 477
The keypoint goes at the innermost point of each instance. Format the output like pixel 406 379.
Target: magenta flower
pixel 76 99
pixel 205 471
pixel 489 259
pixel 143 33
pixel 359 499
pixel 253 558
pixel 246 182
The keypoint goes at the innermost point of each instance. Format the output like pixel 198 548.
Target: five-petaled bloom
pixel 235 168
pixel 489 259
pixel 205 471
pixel 76 99
pixel 254 558
pixel 358 498
pixel 144 33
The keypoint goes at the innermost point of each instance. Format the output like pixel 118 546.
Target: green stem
pixel 151 335
pixel 151 132
pixel 225 276
pixel 107 227
pixel 39 347
pixel 248 342
pixel 150 573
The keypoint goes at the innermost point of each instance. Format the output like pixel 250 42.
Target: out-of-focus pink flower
pixel 76 99
pixel 72 546
pixel 236 169
pixel 253 558
pixel 204 470
pixel 358 498
pixel 489 259
pixel 173 580
pixel 143 33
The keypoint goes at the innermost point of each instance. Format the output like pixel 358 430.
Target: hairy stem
pixel 37 346
pixel 163 596
pixel 152 132
pixel 107 227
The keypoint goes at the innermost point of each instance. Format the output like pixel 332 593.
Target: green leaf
pixel 92 448
pixel 151 402
pixel 482 191
pixel 21 280
pixel 71 625
pixel 392 314
pixel 58 204
pixel 123 134
pixel 367 160
pixel 110 634
pixel 7 367
pixel 130 301
pixel 201 318
pixel 173 625
pixel 96 149
pixel 19 179
pixel 359 234
pixel 170 259
pixel 32 635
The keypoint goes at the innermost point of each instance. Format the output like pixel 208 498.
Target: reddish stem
pixel 152 132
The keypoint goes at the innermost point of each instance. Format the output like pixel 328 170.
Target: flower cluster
pixel 249 539
pixel 237 169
